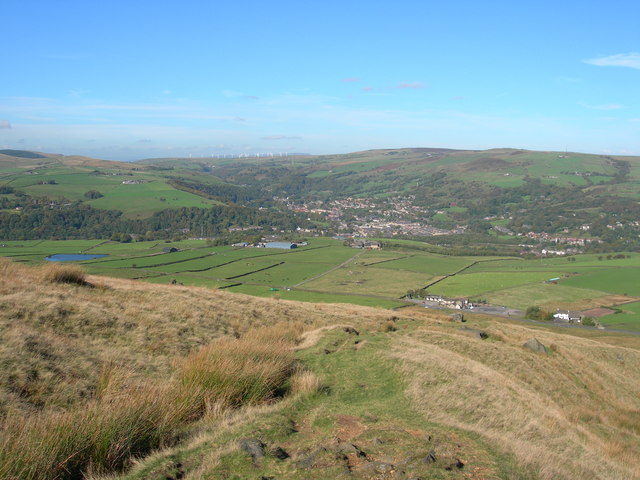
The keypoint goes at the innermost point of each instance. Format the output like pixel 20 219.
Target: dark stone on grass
pixel 254 447
pixel 474 332
pixel 326 351
pixel 280 453
pixel 534 345
pixel 309 460
pixel 351 331
pixel 346 448
pixel 380 468
pixel 430 458
pixel 457 464
pixel 457 317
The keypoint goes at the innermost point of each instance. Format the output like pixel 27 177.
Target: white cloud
pixel 5 124
pixel 630 60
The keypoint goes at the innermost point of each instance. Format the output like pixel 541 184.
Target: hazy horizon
pixel 127 81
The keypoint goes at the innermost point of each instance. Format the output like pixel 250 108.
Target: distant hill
pixel 455 190
pixel 21 154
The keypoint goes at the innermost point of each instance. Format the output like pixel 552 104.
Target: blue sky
pixel 128 80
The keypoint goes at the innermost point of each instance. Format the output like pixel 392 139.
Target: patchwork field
pixel 135 191
pixel 327 271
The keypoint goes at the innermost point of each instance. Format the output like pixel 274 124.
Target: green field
pixel 327 271
pixel 629 318
pixel 625 280
pixel 149 193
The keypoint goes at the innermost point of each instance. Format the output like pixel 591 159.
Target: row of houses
pixel 456 303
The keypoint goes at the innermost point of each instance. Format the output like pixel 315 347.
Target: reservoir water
pixel 73 257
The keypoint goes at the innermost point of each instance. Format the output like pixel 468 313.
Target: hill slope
pixel 406 396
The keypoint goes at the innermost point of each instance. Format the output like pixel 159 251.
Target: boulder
pixel 254 447
pixel 379 468
pixel 280 453
pixel 346 448
pixel 535 345
pixel 351 331
pixel 430 457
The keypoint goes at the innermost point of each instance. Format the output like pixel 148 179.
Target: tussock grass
pixel 306 383
pixel 71 362
pixel 102 436
pixel 128 420
pixel 71 274
pixel 241 371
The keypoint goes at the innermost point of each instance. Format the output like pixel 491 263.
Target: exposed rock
pixel 535 345
pixel 457 464
pixel 380 468
pixel 309 460
pixel 351 331
pixel 346 448
pixel 430 457
pixel 458 317
pixel 254 447
pixel 474 332
pixel 280 453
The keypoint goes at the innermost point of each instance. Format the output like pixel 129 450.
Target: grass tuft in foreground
pixel 70 274
pixel 127 420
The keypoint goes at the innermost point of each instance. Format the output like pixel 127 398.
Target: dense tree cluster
pixel 77 220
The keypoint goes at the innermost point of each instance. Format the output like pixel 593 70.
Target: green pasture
pixel 629 318
pixel 367 273
pixel 188 280
pixel 374 257
pixel 545 295
pixel 588 262
pixel 624 281
pixel 142 200
pixel 425 263
pixel 315 297
pixel 357 279
pixel 472 284
pixel 137 200
pixel 287 274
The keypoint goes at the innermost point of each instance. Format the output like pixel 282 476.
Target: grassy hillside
pixel 133 189
pixel 500 167
pixel 100 369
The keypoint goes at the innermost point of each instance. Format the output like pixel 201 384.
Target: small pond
pixel 73 257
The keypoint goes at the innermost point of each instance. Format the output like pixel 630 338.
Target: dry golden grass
pixel 573 414
pixel 95 375
pixel 242 371
pixel 57 273
pixel 127 419
pixel 92 376
pixel 56 337
pixel 305 383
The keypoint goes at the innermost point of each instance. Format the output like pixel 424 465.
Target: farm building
pixel 568 316
pixel 283 245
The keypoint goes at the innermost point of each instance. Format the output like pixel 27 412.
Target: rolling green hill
pixel 475 198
